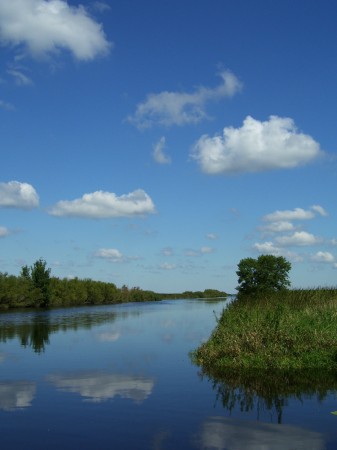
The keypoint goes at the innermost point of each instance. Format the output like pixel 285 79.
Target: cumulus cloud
pixel 41 27
pixel 295 214
pixel 255 147
pixel 102 205
pixel 269 248
pixel 158 152
pixel 277 227
pixel 319 210
pixel 324 257
pixel 299 238
pixel 110 253
pixel 182 108
pixel 18 195
pixel 114 255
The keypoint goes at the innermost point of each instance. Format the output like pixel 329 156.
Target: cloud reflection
pixel 16 394
pixel 220 433
pixel 108 337
pixel 99 386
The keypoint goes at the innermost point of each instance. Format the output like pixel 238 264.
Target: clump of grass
pixel 295 329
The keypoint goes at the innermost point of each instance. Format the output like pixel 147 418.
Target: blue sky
pixel 157 143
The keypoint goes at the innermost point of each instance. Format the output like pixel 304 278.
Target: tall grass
pixel 293 329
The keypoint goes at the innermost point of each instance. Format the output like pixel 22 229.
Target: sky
pixel 156 143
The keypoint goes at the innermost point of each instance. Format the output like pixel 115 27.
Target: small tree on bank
pixel 39 276
pixel 267 273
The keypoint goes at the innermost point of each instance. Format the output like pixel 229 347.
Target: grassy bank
pixel 295 329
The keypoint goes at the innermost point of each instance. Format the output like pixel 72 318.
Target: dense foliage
pixel 35 287
pixel 38 276
pixel 267 273
pixel 291 329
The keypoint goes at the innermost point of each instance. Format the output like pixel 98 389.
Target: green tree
pixel 267 273
pixel 39 276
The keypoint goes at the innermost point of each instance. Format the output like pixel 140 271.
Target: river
pixel 120 377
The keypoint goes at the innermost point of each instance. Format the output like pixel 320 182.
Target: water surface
pixel 120 377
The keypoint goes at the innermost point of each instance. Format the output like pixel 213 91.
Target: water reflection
pixel 101 386
pixel 34 329
pixel 269 391
pixel 16 394
pixel 221 433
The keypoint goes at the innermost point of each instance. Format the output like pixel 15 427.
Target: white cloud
pixel 182 108
pixel 18 195
pixel 205 250
pixel 211 236
pixel 110 253
pixel 158 152
pixel 114 255
pixel 167 251
pixel 319 210
pixel 42 27
pixel 299 238
pixel 101 205
pixel 267 248
pixel 101 6
pixel 6 105
pixel 295 214
pixel 324 257
pixel 202 251
pixel 167 266
pixel 255 147
pixel 4 232
pixel 277 227
pixel 20 78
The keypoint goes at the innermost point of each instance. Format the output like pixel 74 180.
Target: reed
pixel 293 329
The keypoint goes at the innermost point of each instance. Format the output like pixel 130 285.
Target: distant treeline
pixel 25 292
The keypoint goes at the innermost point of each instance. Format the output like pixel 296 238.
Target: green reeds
pixel 293 329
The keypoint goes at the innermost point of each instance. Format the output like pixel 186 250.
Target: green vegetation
pixel 38 277
pixel 267 273
pixel 290 329
pixel 36 288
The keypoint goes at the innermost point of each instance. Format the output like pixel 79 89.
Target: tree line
pixel 36 288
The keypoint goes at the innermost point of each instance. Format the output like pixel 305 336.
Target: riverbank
pixel 20 292
pixel 295 329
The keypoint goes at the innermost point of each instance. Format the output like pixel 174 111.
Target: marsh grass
pixel 295 329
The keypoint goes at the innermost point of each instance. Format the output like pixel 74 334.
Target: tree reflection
pixel 36 335
pixel 268 390
pixel 34 330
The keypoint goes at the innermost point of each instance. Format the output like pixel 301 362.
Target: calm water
pixel 120 377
